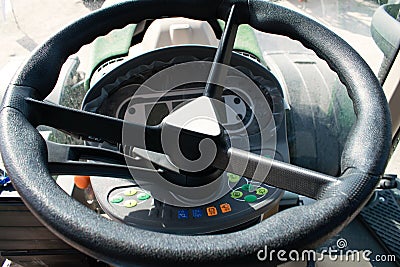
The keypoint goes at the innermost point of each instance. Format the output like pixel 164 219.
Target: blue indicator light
pixel 197 213
pixel 4 180
pixel 183 214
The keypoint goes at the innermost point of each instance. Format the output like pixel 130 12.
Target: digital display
pixel 235 111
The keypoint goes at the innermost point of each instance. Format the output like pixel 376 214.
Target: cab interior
pixel 204 133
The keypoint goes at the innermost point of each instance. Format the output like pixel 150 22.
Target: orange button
pixel 225 208
pixel 82 182
pixel 211 211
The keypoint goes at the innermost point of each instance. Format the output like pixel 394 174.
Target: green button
pixel 236 194
pixel 250 198
pixel 130 192
pixel 143 196
pixel 130 203
pixel 233 178
pixel 262 191
pixel 248 187
pixel 117 199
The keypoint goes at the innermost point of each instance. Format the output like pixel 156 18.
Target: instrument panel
pixel 245 200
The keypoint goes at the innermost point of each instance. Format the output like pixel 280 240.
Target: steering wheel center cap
pixel 189 135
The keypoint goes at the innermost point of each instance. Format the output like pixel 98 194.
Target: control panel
pixel 132 205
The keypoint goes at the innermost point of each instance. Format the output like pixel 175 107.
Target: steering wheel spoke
pixel 84 160
pixel 91 126
pixel 275 173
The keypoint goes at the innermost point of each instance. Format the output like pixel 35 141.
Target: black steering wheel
pixel 339 199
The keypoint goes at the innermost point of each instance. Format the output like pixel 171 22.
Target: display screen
pixel 155 113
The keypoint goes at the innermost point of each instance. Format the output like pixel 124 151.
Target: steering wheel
pixel 339 199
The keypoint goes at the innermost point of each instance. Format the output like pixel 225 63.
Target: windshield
pixel 25 24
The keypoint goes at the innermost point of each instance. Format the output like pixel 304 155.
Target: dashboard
pixel 249 113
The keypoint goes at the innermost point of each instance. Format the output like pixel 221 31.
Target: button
pixel 250 198
pixel 117 199
pixel 248 187
pixel 262 191
pixel 130 192
pixel 183 214
pixel 82 182
pixel 211 211
pixel 236 194
pixel 197 213
pixel 130 203
pixel 143 196
pixel 225 208
pixel 233 178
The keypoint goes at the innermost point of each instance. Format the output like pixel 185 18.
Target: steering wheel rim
pixel 363 160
